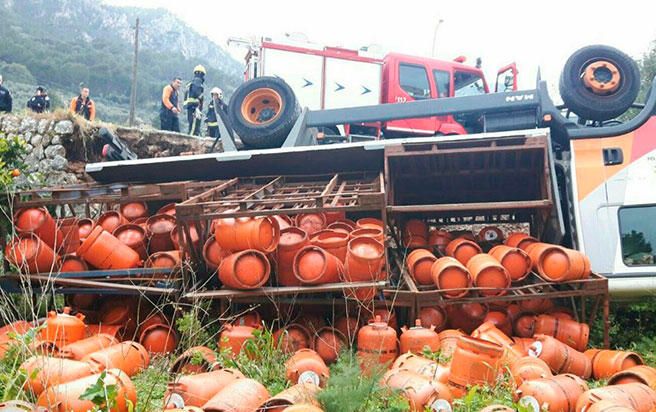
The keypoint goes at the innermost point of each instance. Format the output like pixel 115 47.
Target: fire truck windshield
pixel 468 84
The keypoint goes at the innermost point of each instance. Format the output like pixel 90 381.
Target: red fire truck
pixel 333 77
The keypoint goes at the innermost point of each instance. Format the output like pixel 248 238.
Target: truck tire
pixel 262 112
pixel 599 83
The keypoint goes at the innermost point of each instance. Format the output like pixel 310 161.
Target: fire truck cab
pixel 333 77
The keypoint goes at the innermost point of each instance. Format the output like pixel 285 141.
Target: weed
pixel 438 356
pixel 349 390
pixel 102 395
pixel 151 385
pixel 191 330
pixel 12 378
pixel 262 359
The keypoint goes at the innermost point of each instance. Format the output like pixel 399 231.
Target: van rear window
pixel 638 235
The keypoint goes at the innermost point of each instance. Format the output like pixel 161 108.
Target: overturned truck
pixel 573 173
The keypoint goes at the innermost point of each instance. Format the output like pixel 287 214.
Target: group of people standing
pixel 84 106
pixel 192 104
pixel 81 105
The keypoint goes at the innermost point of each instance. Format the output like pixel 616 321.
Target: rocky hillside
pixel 60 43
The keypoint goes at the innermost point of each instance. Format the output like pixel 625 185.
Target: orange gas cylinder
pixel 190 240
pixel 641 374
pixel 451 277
pixel 632 395
pixel 422 393
pixel 335 216
pixel 39 222
pixel 418 338
pixel 497 408
pixel 433 316
pixel 488 275
pixel 251 318
pixel 72 263
pixel 83 347
pixel 159 229
pixel 501 320
pixel 422 366
pixel 610 406
pixel 306 366
pixel 371 232
pixel 311 223
pixel 85 226
pixel 332 241
pixel 248 269
pixel 130 357
pixel 237 234
pixel 524 326
pixel 449 341
pixel 440 239
pixel 104 251
pixel 66 397
pixel 560 357
pixel 515 260
pixel 344 225
pixel 301 393
pixel 197 390
pixel 606 363
pixel 522 344
pixel 553 394
pixel 134 210
pixel 328 343
pixel 364 259
pixel 31 254
pixel 120 311
pixel 415 233
pixel 463 249
pixel 386 315
pixel 292 239
pixel 63 328
pixel 213 254
pixel 197 359
pixel 377 343
pixel 315 266
pixel 240 395
pixel 8 332
pixel 490 234
pixel 370 223
pixel 520 240
pixel 528 368
pixel 466 316
pixel 233 337
pixel 348 326
pixel 284 221
pixel 487 331
pixel 158 338
pixel 537 305
pixel 167 209
pixel 43 372
pixel 570 332
pixel 70 235
pixel 133 236
pixel 419 263
pixel 110 220
pixel 292 338
pixel 475 362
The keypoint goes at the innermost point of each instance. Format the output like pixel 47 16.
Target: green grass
pixel 151 385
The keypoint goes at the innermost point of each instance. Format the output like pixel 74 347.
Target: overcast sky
pixel 531 33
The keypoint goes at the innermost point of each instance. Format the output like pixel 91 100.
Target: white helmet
pixel 218 92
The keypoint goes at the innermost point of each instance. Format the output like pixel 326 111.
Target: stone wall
pixel 59 145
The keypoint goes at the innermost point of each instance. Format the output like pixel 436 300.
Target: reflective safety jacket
pixel 194 93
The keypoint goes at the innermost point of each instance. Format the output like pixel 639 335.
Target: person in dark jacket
pixel 194 100
pixel 82 105
pixel 5 99
pixel 40 102
pixel 170 109
pixel 213 109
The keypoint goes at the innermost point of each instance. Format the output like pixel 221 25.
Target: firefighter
pixel 82 105
pixel 168 113
pixel 216 104
pixel 194 100
pixel 5 98
pixel 40 102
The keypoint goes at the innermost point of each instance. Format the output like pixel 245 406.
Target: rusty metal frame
pixel 275 195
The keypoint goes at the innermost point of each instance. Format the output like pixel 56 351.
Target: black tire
pixel 270 133
pixel 594 106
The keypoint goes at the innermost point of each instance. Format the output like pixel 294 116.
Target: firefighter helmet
pixel 217 91
pixel 200 69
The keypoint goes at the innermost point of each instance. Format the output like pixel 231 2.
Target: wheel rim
pixel 261 106
pixel 601 77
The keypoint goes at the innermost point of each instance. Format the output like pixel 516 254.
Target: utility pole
pixel 133 92
pixel 437 26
